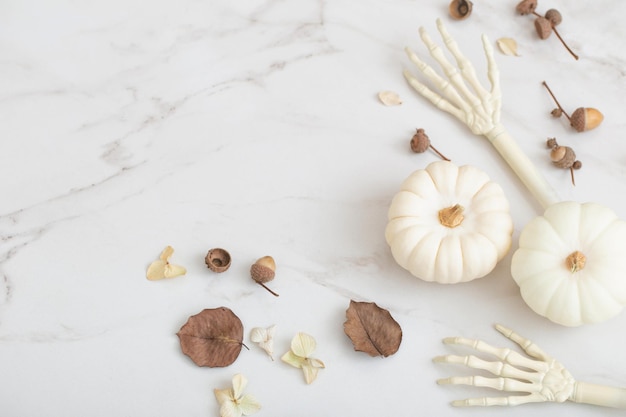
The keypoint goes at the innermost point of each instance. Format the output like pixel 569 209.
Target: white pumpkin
pixel 571 263
pixel 449 224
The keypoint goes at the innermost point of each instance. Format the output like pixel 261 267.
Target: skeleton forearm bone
pixel 538 375
pixel 477 107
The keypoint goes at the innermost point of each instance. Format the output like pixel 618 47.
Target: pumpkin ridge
pixel 607 229
pixel 462 173
pixel 433 177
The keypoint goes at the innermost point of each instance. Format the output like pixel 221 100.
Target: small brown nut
pixel 554 16
pixel 263 270
pixel 543 27
pixel 420 141
pixel 460 9
pixel 526 7
pixel 217 259
pixel 551 143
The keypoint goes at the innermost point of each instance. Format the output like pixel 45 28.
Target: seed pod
pixel 586 118
pixel 420 142
pixel 543 27
pixel 526 7
pixel 460 9
pixel 556 112
pixel 554 16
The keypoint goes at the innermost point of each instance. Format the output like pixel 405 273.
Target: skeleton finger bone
pixel 496 368
pixel 504 354
pixel 500 384
pixel 502 401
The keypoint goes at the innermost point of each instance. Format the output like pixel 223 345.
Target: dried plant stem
pixel 267 288
pixel 571 170
pixel 438 153
pixel 556 101
pixel 556 32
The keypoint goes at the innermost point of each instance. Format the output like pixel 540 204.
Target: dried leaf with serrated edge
pixel 372 329
pixel 508 46
pixel 213 337
pixel 389 98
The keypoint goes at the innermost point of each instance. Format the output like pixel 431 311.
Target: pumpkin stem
pixel 451 216
pixel 575 261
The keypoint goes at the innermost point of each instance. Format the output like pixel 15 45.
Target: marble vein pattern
pixel 127 126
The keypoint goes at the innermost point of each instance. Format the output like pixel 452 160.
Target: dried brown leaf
pixel 372 329
pixel 212 337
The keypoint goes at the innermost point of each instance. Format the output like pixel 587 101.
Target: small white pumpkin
pixel 571 263
pixel 449 224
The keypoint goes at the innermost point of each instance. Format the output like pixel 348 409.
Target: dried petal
pixel 162 268
pixel 508 46
pixel 302 346
pixel 372 329
pixel 389 98
pixel 232 401
pixel 264 338
pixel 293 359
pixel 310 373
pixel 212 337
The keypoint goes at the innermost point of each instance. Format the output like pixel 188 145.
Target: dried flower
pixel 264 337
pixel 302 346
pixel 233 403
pixel 389 98
pixel 508 46
pixel 162 268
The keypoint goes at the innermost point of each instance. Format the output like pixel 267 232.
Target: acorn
pixel 563 157
pixel 263 271
pixel 586 118
pixel 583 118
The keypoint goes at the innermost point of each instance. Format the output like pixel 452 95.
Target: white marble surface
pixel 254 126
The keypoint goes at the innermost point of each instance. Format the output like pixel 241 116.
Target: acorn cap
pixel 586 118
pixel 563 156
pixel 554 16
pixel 543 27
pixel 263 270
pixel 217 259
pixel 526 7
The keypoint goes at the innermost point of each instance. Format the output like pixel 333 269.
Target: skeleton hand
pixel 478 109
pixel 539 376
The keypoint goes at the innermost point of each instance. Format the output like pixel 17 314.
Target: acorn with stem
pixel 263 271
pixel 583 118
pixel 563 157
pixel 544 25
pixel 420 142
